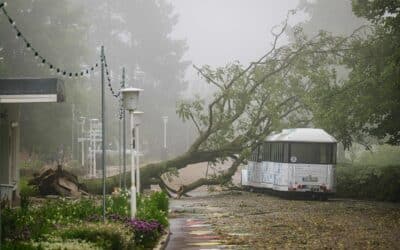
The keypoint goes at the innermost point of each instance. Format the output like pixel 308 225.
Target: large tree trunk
pixel 151 173
pixel 221 179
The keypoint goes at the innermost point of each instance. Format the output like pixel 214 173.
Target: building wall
pixel 9 150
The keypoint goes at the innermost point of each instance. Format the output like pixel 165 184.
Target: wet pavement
pixel 193 233
pixel 190 228
pixel 242 220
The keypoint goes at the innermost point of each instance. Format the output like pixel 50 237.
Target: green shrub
pixel 105 236
pixel 26 191
pixel 33 222
pixel 118 204
pixel 51 244
pixel 161 200
pixel 154 207
pixel 368 182
pixel 380 155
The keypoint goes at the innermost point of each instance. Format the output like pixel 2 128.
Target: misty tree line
pixel 134 33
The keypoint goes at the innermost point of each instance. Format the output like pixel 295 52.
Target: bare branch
pixel 208 77
pixel 195 123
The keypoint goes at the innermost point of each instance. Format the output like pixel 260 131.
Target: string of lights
pixel 62 72
pixel 116 94
pixel 39 57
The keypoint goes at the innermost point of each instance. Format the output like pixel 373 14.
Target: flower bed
pixel 74 221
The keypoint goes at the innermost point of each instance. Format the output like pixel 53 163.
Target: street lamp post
pixel 165 120
pixel 138 121
pixel 164 151
pixel 83 119
pixel 130 98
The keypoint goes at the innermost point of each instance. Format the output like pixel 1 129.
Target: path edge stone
pixel 163 241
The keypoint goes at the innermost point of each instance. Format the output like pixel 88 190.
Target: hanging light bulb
pixel 11 21
pixel 36 55
pixel 18 35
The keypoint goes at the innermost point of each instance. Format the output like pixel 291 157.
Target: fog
pixel 224 31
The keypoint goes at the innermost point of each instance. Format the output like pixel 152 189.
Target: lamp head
pixel 130 98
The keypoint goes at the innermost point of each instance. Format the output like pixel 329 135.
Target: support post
pixel 133 186
pixel 123 135
pixel 83 143
pixel 137 160
pixel 103 130
pixel 72 131
pixel 119 153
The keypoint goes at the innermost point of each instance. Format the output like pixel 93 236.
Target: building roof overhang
pixel 31 90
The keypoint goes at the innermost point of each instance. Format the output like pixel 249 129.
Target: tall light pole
pixel 103 131
pixel 72 131
pixel 83 119
pixel 165 120
pixel 123 133
pixel 138 121
pixel 130 98
pixel 93 135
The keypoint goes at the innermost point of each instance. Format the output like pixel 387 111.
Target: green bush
pixel 105 236
pixel 118 204
pixel 33 222
pixel 368 182
pixel 31 226
pixel 26 192
pixel 380 155
pixel 154 207
pixel 51 244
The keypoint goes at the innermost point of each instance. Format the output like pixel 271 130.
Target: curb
pixel 163 242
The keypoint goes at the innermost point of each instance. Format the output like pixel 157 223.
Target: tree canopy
pixel 367 101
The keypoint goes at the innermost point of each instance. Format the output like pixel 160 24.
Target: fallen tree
pixel 57 182
pixel 248 104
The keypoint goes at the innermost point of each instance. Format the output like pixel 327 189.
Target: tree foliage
pixel 366 101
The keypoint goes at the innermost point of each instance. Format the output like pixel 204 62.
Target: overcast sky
pixel 221 31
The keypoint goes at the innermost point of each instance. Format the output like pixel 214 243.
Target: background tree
pixel 55 29
pixel 137 34
pixel 70 33
pixel 367 101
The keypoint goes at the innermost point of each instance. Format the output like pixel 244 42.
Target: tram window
pixel 334 153
pixel 260 153
pixel 286 152
pixel 253 156
pixel 277 151
pixel 317 153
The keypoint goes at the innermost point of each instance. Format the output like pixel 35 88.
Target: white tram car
pixel 295 160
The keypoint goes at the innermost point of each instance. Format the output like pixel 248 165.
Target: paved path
pixel 191 230
pixel 193 233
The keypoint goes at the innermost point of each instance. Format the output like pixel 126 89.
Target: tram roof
pixel 302 135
